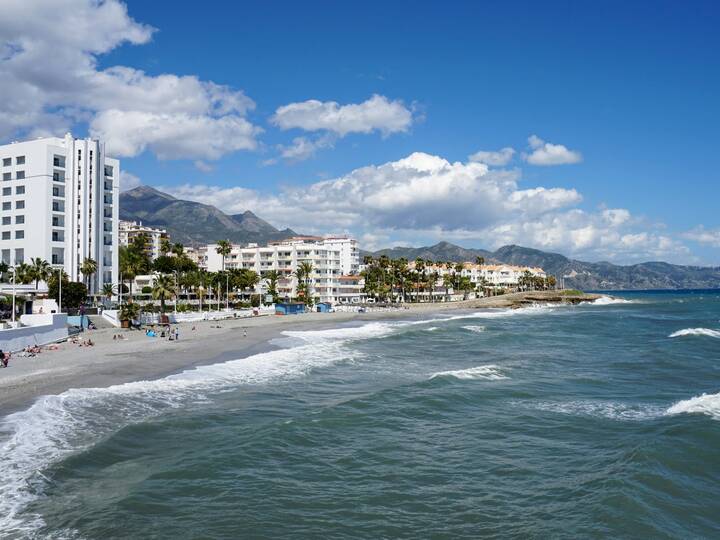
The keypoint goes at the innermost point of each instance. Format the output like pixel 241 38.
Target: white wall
pixel 41 329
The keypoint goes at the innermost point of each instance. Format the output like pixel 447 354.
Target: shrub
pixel 147 289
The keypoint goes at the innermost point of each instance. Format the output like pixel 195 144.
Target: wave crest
pixel 704 404
pixel 696 332
pixel 608 301
pixel 478 329
pixel 489 372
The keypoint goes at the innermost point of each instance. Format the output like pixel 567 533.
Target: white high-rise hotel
pixel 60 203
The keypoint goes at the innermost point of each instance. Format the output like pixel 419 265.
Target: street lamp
pixel 14 269
pixel 227 291
pixel 60 271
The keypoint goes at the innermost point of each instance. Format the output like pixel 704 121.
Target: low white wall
pixel 111 316
pixel 39 330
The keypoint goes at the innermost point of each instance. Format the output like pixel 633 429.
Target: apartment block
pixel 59 202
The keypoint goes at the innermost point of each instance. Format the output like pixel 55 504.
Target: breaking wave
pixel 704 404
pixel 474 328
pixel 608 301
pixel 696 332
pixel 57 426
pixel 489 372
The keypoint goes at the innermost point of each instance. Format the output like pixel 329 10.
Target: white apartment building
pixel 129 230
pixel 59 202
pixel 331 258
pixel 495 275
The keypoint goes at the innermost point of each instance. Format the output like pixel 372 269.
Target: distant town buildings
pixel 332 259
pixel 59 202
pixel 129 230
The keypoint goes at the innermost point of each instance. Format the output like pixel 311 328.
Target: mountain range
pixel 192 222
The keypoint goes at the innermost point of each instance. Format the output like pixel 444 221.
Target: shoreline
pixel 113 362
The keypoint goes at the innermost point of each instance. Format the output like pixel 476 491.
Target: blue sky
pixel 625 94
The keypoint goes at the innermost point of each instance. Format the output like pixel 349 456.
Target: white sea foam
pixel 489 372
pixel 608 301
pixel 55 427
pixel 474 328
pixel 704 404
pixel 696 332
pixel 433 328
pixel 605 409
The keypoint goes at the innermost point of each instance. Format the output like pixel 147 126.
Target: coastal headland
pixel 120 356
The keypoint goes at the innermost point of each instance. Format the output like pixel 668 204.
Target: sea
pixel 600 420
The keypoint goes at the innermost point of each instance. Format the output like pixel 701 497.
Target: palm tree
pixel 224 247
pixel 271 278
pixel 23 274
pixel 165 246
pixel 108 290
pixel 177 249
pixel 39 270
pixel 302 273
pixel 4 267
pixel 419 273
pixel 87 269
pixel 480 260
pixel 163 288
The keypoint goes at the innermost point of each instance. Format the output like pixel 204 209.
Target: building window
pixel 7 162
pixel 108 170
pixel 58 192
pixel 7 205
pixel 58 221
pixel 6 220
pixel 6 235
pixel 19 205
pixel 20 160
pixel 19 255
pixel 19 235
pixel 20 175
pixel 58 236
pixel 6 256
pixel 19 220
pixel 7 191
pixel 59 161
pixel 20 190
pixel 58 176
pixel 7 176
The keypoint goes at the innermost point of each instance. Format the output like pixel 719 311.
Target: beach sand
pixel 139 357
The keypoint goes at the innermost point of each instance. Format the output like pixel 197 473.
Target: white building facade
pixel 331 258
pixel 129 230
pixel 59 202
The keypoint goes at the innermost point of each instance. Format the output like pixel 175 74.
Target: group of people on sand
pixel 4 358
pixel 172 334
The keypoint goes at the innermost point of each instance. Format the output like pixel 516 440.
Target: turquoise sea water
pixel 565 422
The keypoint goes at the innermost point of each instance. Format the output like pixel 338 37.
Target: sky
pixel 585 128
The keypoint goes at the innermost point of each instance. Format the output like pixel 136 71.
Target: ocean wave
pixel 696 332
pixel 489 372
pixel 604 409
pixel 492 313
pixel 704 404
pixel 57 426
pixel 474 328
pixel 608 301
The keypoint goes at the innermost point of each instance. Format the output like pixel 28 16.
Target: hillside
pixel 193 222
pixel 578 274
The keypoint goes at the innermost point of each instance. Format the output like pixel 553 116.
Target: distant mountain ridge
pixel 192 222
pixel 577 274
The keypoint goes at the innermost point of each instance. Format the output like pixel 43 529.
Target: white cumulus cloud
pixel 700 234
pixel 497 158
pixel 545 153
pixel 50 81
pixel 378 113
pixel 424 197
pixel 128 181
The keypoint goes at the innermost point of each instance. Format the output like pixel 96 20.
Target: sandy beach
pixel 138 357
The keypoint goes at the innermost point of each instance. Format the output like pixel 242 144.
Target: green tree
pixel 271 278
pixel 480 260
pixel 87 269
pixel 163 289
pixel 108 290
pixel 165 246
pixel 224 247
pixel 38 270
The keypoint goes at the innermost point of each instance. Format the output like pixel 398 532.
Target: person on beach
pixel 244 332
pixel 4 358
pixel 177 333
